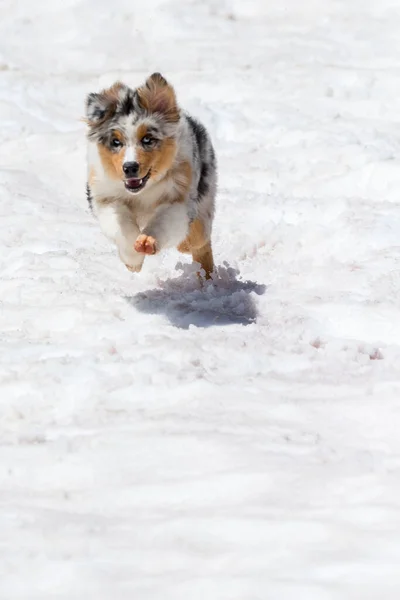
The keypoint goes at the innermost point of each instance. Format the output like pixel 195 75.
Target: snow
pixel 236 441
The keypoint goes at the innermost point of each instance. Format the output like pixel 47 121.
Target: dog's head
pixel 135 131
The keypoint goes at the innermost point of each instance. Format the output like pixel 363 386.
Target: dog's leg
pixel 197 244
pixel 118 225
pixel 204 256
pixel 166 229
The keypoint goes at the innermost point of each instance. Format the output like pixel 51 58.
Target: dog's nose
pixel 131 169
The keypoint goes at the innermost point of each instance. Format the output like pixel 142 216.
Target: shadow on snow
pixel 185 300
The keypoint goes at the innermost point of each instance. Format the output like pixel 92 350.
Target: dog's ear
pixel 96 107
pixel 101 106
pixel 157 95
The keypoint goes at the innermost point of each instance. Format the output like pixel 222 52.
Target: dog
pixel 152 173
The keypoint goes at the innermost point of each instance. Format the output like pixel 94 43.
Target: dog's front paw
pixel 134 268
pixel 145 244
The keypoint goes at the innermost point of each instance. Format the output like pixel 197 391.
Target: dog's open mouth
pixel 134 184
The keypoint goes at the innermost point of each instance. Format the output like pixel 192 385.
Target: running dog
pixel 152 173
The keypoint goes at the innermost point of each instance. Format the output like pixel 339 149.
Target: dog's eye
pixel 116 143
pixel 147 140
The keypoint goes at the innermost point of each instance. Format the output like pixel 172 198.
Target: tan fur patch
pixel 195 239
pixel 197 244
pixel 119 135
pixel 113 91
pixel 159 160
pixel 184 247
pixel 112 162
pixel 204 256
pixel 141 131
pixel 158 96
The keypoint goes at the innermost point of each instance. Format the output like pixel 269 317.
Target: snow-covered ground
pixel 159 441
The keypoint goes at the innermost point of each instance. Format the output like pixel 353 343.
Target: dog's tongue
pixel 134 182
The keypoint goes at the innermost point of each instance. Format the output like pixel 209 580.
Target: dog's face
pixel 135 131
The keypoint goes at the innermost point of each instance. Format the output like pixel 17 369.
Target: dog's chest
pixel 144 205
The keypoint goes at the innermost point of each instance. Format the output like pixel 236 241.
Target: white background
pixel 160 441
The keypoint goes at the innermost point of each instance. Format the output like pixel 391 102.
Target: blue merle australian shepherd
pixel 151 173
